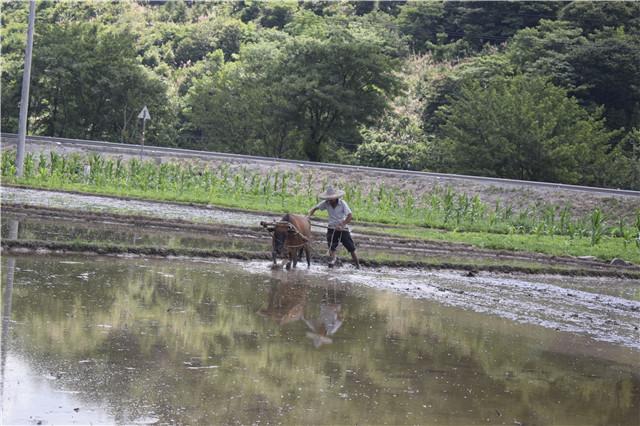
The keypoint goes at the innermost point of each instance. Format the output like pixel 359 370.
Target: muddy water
pixel 106 340
pixel 98 204
pixel 35 227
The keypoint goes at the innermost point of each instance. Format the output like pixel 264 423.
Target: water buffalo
pixel 290 236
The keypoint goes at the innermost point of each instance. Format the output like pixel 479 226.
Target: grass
pixel 544 228
pixel 607 249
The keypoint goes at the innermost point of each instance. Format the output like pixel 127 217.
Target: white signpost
pixel 144 116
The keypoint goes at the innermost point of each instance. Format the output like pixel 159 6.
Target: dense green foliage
pixel 523 128
pixel 534 90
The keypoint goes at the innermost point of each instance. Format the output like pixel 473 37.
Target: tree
pixel 86 83
pixel 235 109
pixel 438 89
pixel 397 143
pixel 525 128
pixel 494 22
pixel 318 90
pixel 623 163
pixel 421 22
pixel 600 69
pixel 277 15
pixel 592 16
pixel 336 84
pixel 478 23
pixel 546 51
pixel 607 69
pixel 194 41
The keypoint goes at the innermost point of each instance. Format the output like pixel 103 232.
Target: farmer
pixel 337 229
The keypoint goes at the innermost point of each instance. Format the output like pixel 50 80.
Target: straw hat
pixel 331 194
pixel 318 339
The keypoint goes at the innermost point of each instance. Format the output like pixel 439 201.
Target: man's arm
pixel 346 221
pixel 347 210
pixel 317 207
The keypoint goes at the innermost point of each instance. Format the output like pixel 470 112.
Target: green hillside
pixel 528 90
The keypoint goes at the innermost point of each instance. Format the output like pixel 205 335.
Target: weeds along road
pixel 154 151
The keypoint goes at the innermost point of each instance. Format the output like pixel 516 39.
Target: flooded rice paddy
pixel 81 218
pixel 140 341
pixel 34 227
pixel 134 340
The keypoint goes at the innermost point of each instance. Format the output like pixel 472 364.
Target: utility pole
pixel 24 97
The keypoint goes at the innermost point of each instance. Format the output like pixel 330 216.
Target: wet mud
pixel 179 236
pixel 495 289
pixel 482 276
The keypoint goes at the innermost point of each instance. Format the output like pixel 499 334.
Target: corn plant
pixel 564 221
pixel 637 228
pixel 597 226
pixel 43 170
pixel 8 163
pixel 447 204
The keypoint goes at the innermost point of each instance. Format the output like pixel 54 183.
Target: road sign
pixel 144 114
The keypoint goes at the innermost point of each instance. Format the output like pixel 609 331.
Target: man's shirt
pixel 337 214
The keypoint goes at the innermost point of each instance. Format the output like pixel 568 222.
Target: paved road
pixel 102 146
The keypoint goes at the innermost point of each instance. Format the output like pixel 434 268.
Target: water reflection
pixel 7 294
pixel 287 303
pixel 179 342
pixel 286 300
pixel 329 320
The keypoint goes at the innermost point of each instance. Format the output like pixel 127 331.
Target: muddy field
pixel 604 304
pixel 134 312
pixel 153 228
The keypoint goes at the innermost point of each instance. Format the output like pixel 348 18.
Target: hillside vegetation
pixel 529 90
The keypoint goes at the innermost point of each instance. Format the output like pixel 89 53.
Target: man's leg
pixel 354 257
pixel 332 257
pixel 333 238
pixel 348 243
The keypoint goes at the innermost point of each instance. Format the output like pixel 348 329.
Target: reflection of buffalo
pixel 286 303
pixel 290 236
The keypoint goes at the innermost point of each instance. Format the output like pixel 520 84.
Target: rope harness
pixel 296 232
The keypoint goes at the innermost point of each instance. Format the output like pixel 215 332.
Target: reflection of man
pixel 329 322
